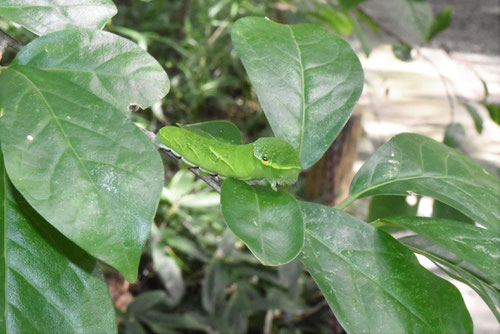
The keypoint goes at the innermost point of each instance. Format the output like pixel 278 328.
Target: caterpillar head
pixel 279 157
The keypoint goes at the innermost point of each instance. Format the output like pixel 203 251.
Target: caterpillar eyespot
pixel 265 159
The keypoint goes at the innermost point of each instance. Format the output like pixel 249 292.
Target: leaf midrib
pixel 74 152
pixel 303 97
pixel 4 176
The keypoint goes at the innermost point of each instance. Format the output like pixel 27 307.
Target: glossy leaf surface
pixel 42 17
pixel 269 222
pixel 106 65
pixel 477 246
pixel 81 164
pixel 373 283
pixel 456 268
pixel 48 283
pixel 411 163
pixel 222 131
pixel 307 81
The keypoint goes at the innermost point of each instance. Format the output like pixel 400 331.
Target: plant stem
pixel 345 203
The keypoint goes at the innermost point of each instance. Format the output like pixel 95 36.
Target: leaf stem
pixel 346 202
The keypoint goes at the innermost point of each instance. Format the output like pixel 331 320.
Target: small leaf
pixel 223 131
pixel 494 110
pixel 214 287
pixel 269 222
pixel 402 51
pixel 373 283
pixel 106 65
pixel 47 282
pixel 440 23
pixel 42 17
pixel 307 80
pixel 454 135
pixel 414 164
pixel 145 301
pixel 360 34
pixel 81 164
pixel 457 269
pixel 170 274
pixel 477 246
pixel 478 121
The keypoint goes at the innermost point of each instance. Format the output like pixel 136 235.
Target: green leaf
pixel 386 206
pixel 161 322
pixel 402 51
pixel 170 274
pixel 494 110
pixel 457 269
pixel 42 17
pixel 440 23
pixel 307 80
pixel 441 210
pixel 454 135
pixel 477 246
pixel 81 164
pixel 101 63
pixel 223 131
pixel 411 163
pixel 414 18
pixel 214 287
pixel 47 282
pixel 360 34
pixel 373 283
pixel 478 121
pixel 350 4
pixel 338 21
pixel 269 222
pixel 145 301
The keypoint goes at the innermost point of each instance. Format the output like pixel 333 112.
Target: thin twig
pixel 211 180
pixel 6 41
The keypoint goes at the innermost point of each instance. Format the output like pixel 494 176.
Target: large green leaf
pixel 411 163
pixel 373 283
pixel 307 80
pixel 269 222
pixel 48 284
pixel 477 246
pixel 80 163
pixel 109 66
pixel 42 16
pixel 456 268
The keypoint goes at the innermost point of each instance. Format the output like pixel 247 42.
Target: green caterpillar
pixel 271 159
